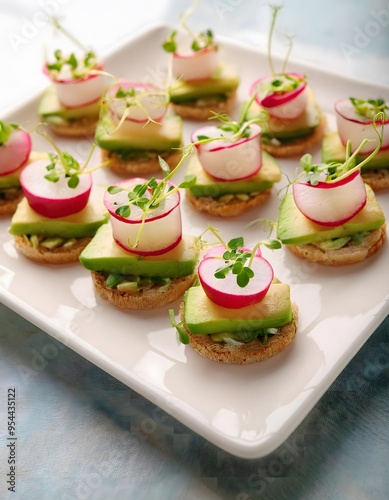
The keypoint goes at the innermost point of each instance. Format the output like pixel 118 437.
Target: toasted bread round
pixel 244 353
pixel 220 208
pixel 147 299
pixel 84 127
pixel 299 146
pixel 51 256
pixel 376 179
pixel 198 111
pixel 140 166
pixel 10 201
pixel 349 254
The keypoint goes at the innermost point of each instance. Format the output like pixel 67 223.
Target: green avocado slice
pixel 223 82
pixel 269 173
pixel 286 131
pixel 202 316
pixel 82 224
pixel 134 138
pixel 334 150
pixel 295 229
pixel 52 110
pixel 104 255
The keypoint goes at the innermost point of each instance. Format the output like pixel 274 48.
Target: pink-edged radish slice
pixel 331 204
pixel 190 65
pixel 53 199
pixel 226 292
pixel 285 105
pixel 148 103
pixel 15 152
pixel 162 229
pixel 225 160
pixel 79 92
pixel 354 127
pixel 218 251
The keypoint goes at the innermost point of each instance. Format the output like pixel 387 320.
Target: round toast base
pixel 148 299
pixel 349 254
pixel 44 255
pixel 84 127
pixel 8 207
pixel 196 112
pixel 244 353
pixel 300 146
pixel 138 167
pixel 235 207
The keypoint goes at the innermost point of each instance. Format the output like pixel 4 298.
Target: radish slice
pixel 226 292
pixel 15 152
pixel 53 199
pixel 79 92
pixel 331 204
pixel 149 102
pixel 218 251
pixel 354 127
pixel 194 65
pixel 162 230
pixel 287 105
pixel 229 161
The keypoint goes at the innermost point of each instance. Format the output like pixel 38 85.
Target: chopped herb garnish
pixel 236 260
pixel 368 108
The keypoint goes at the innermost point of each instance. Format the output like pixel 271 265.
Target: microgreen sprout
pixel 240 128
pixel 199 40
pixel 368 108
pixel 63 164
pixel 238 260
pixel 336 171
pixel 182 333
pixel 281 82
pixel 157 192
pixel 78 67
pixel 6 130
pixel 132 97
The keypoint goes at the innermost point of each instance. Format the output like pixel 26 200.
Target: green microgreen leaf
pixel 164 165
pixel 182 333
pixel 188 182
pixel 114 189
pixel 170 44
pixel 73 181
pixel 52 176
pixel 124 211
pixel 235 243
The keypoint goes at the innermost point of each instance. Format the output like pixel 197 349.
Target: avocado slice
pixel 52 110
pixel 82 224
pixel 334 150
pixel 268 174
pixel 104 255
pixel 286 131
pixel 134 138
pixel 223 82
pixel 12 180
pixel 295 229
pixel 202 316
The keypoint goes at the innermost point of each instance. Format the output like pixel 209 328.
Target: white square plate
pixel 248 411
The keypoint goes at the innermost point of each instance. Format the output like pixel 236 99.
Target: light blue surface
pixel 84 435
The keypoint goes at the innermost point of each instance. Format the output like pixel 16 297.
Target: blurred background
pixel 343 37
